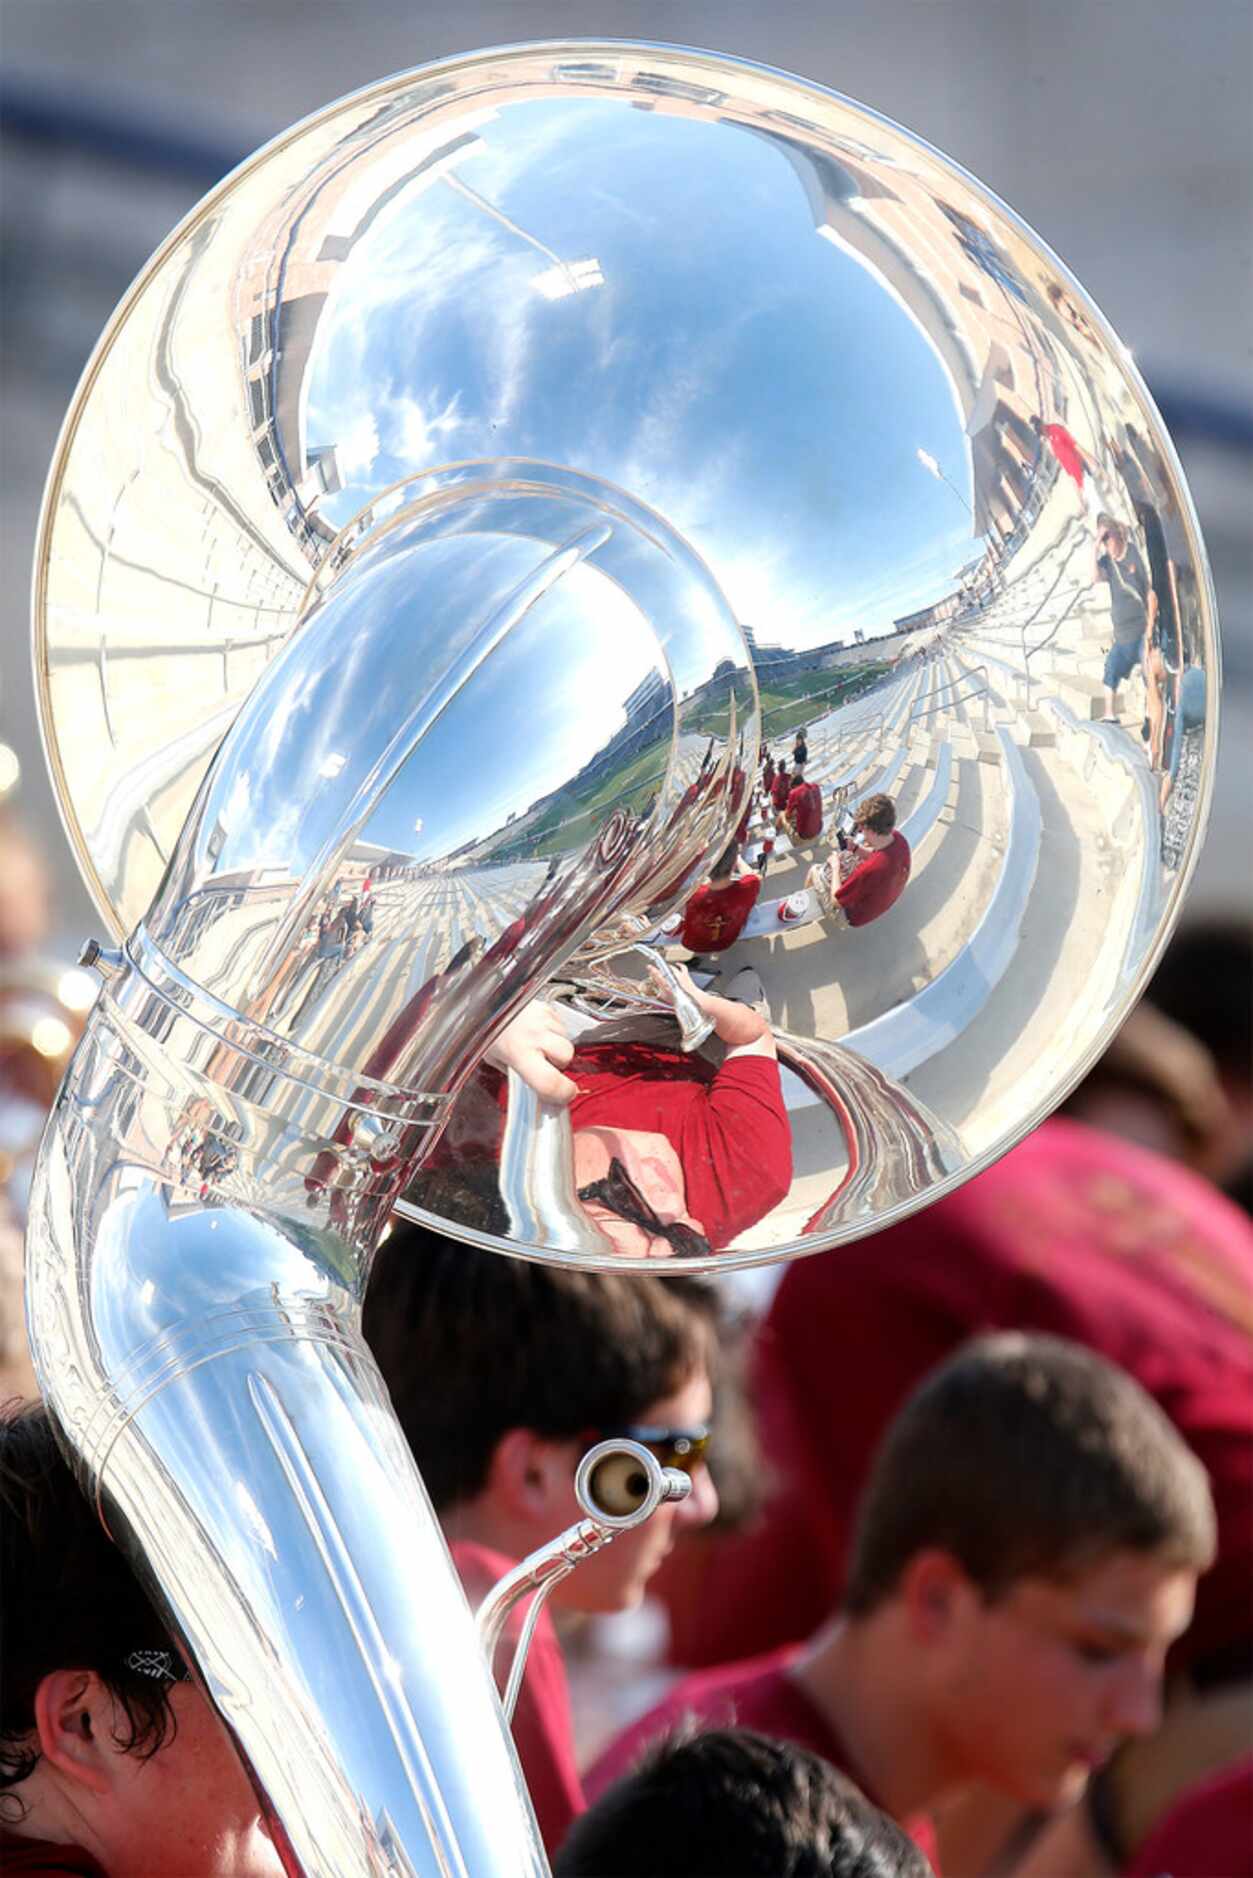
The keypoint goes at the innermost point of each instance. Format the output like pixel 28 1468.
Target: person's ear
pixel 74 1723
pixel 938 1596
pixel 533 1478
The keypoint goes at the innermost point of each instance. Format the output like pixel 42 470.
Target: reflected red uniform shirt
pixel 542 1729
pixel 1067 452
pixel 1074 1233
pixel 758 1694
pixel 729 1127
pixel 876 883
pixel 804 806
pixel 714 917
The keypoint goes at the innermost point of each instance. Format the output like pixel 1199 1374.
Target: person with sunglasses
pixel 113 1762
pixel 502 1374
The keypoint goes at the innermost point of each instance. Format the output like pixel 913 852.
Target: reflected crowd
pixel 856 1644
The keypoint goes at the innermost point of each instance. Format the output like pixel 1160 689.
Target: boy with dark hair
pixel 803 812
pixel 502 1373
pixel 112 1762
pixel 729 1800
pixel 1026 1550
pixel 715 916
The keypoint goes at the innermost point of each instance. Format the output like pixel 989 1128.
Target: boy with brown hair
pixel 1026 1551
pixel 870 872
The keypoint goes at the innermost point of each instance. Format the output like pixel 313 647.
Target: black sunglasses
pixel 683 1448
pixel 619 1194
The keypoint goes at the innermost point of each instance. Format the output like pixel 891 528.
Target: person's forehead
pixel 1138 1595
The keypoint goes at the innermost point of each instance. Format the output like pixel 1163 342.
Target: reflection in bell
pixel 570 501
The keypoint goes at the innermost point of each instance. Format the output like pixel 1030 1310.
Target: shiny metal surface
pixel 468 488
pixel 814 350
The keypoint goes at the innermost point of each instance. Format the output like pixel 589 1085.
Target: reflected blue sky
pixel 538 709
pixel 737 372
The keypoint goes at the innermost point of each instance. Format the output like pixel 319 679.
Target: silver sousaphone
pixel 467 493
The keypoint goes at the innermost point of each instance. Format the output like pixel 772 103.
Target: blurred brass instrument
pixel 43 1007
pixel 467 492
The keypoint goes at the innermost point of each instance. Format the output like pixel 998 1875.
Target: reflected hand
pixel 659 985
pixel 535 1045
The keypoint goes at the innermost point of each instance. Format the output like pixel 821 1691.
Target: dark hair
pixel 725 861
pixel 68 1600
pixel 472 1344
pixel 878 813
pixel 727 1801
pixel 1027 1456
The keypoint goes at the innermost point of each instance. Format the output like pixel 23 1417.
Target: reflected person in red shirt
pixel 714 917
pixel 674 1153
pixel 869 873
pixel 803 810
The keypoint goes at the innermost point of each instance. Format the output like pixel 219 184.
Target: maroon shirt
pixel 876 883
pixel 23 1858
pixel 714 917
pixel 1208 1830
pixel 804 806
pixel 780 789
pixel 1075 1233
pixel 758 1694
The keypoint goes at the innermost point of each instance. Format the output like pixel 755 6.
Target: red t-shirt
pixel 758 1694
pixel 543 1732
pixel 876 883
pixel 714 917
pixel 1207 1832
pixel 728 1127
pixel 23 1858
pixel 1074 1233
pixel 804 805
pixel 780 789
pixel 1066 450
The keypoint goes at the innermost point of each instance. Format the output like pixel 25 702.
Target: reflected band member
pixel 869 871
pixel 672 1152
pixel 714 917
pixel 1132 606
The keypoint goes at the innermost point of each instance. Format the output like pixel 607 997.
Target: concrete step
pixel 1086 696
